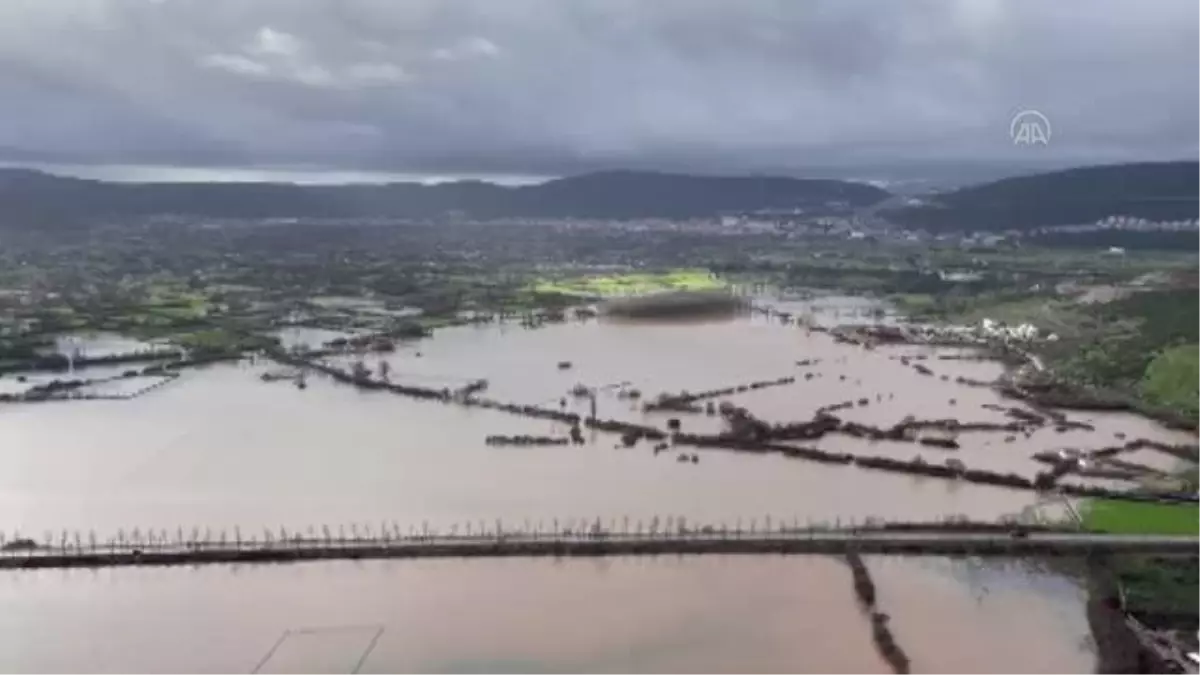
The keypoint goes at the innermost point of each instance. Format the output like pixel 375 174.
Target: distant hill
pixel 1155 191
pixel 32 197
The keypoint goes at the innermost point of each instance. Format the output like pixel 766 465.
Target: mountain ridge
pixel 1158 191
pixel 610 194
pixel 1150 190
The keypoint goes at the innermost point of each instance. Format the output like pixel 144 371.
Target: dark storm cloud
pixel 555 86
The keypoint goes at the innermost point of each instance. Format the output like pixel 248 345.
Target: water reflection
pixel 1010 616
pixel 701 614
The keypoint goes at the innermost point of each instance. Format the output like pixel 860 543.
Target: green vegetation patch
pixel 1171 379
pixel 1144 344
pixel 913 301
pixel 631 284
pixel 207 339
pixel 220 341
pixel 177 312
pixel 1124 517
pixel 1159 586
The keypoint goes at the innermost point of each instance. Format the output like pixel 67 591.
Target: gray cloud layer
pixel 556 86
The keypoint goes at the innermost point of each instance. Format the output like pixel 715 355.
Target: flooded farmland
pixel 718 614
pixel 221 449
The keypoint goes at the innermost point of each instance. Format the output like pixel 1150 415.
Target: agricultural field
pixel 1124 517
pixel 638 283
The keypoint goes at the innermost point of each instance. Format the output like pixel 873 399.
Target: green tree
pixel 1171 379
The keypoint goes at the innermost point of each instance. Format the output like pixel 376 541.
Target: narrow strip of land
pixel 793 543
pixel 881 633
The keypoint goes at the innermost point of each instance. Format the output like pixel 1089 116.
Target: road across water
pixel 889 542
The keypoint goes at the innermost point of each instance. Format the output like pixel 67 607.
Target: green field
pixel 631 284
pixel 1122 517
pixel 913 301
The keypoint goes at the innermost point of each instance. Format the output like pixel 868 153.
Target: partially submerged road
pixel 828 542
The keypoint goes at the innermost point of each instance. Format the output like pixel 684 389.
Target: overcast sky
pixel 549 87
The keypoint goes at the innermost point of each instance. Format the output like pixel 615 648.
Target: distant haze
pixel 299 175
pixel 536 88
pixel 902 178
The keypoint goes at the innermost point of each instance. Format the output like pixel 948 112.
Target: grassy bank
pixel 1160 591
pixel 1123 517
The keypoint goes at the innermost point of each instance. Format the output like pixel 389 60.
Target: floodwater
pixel 101 344
pixel 305 336
pixel 699 614
pixel 994 616
pixel 11 384
pixel 521 366
pixel 218 449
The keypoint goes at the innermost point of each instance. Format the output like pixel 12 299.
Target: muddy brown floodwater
pixel 219 449
pixel 735 614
